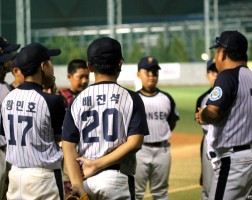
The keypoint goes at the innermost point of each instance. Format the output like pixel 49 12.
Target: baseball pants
pixel 35 183
pixel 153 165
pixel 107 185
pixel 233 180
pixel 207 172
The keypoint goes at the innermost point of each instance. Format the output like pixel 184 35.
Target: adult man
pixel 5 66
pixel 206 167
pixel 32 122
pixel 105 123
pixel 229 110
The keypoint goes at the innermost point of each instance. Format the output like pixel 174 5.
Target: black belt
pixel 156 144
pixel 113 167
pixel 241 148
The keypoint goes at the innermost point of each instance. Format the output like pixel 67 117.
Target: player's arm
pixel 208 115
pixel 131 146
pixel 72 166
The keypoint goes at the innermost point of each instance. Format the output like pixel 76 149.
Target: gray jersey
pixel 4 90
pixel 160 110
pixel 30 120
pixel 232 93
pixel 101 118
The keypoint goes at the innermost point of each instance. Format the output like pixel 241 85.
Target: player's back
pixel 27 120
pixel 103 118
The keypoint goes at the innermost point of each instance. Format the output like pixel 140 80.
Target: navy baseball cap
pixel 33 54
pixel 232 41
pixel 6 47
pixel 5 57
pixel 148 63
pixel 104 51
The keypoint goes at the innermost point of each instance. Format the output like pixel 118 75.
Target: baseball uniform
pixel 154 159
pixel 31 120
pixel 99 120
pixel 232 93
pixel 206 167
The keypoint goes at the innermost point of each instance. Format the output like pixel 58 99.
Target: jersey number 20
pixel 105 124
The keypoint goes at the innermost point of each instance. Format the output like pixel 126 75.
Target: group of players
pixel 103 141
pixel 104 123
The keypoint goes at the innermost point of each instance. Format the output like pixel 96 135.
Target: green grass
pixel 185 98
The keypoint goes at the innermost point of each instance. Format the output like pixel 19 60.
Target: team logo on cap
pixel 216 94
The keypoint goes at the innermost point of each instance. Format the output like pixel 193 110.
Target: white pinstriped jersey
pixel 4 90
pixel 160 109
pixel 30 120
pixel 101 118
pixel 201 103
pixel 232 93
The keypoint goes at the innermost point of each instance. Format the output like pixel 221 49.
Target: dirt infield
pixel 185 145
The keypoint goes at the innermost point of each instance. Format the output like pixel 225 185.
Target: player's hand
pixel 198 116
pixel 88 167
pixel 216 163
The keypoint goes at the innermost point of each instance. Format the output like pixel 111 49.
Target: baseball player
pixel 32 122
pixel 229 110
pixel 6 49
pixel 105 124
pixel 154 159
pixel 206 167
pixel 78 76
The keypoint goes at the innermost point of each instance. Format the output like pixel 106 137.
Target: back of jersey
pixel 102 119
pixel 28 130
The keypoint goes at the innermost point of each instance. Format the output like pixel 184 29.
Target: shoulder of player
pixel 161 92
pixel 53 99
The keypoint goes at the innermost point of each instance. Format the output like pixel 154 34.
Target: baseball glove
pixel 74 197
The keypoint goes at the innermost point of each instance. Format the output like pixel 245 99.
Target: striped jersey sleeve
pixel 31 119
pixel 232 93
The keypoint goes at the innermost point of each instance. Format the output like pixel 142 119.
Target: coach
pixel 229 109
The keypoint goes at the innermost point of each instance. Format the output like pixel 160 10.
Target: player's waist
pixel 223 152
pixel 164 143
pixel 33 169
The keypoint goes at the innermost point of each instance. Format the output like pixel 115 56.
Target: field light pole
pixel 207 29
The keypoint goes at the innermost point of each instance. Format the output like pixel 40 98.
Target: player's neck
pixel 149 91
pixel 103 77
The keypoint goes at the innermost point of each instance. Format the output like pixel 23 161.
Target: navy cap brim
pixel 54 52
pixel 214 46
pixel 6 57
pixel 11 47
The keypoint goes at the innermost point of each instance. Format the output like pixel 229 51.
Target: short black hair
pixel 76 64
pixel 106 69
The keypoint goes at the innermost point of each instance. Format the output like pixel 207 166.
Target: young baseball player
pixel 6 49
pixel 206 167
pixel 78 76
pixel 154 159
pixel 229 111
pixel 32 122
pixel 105 125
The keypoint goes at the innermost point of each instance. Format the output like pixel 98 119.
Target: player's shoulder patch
pixel 216 94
